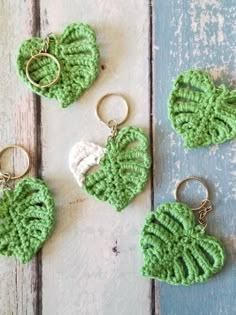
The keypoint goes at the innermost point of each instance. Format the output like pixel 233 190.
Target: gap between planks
pixel 151 109
pixel 38 161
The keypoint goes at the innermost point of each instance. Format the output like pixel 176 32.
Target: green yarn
pixel 176 250
pixel 201 112
pixel 123 170
pixel 77 52
pixel 26 219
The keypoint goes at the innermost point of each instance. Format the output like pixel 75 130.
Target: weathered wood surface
pixel 18 124
pixel 197 34
pixel 91 263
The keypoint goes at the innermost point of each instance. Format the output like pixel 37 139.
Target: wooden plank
pixel 18 286
pixel 196 34
pixel 91 264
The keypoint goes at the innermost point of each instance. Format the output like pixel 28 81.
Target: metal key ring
pixel 7 176
pixel 205 200
pixel 39 55
pixel 112 121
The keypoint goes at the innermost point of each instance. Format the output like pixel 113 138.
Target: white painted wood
pixel 91 263
pixel 18 286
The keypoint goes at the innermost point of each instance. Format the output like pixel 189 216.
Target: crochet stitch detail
pixel 176 250
pixel 201 112
pixel 26 219
pixel 77 52
pixel 123 170
pixel 83 156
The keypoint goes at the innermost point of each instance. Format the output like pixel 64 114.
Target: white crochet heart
pixel 82 157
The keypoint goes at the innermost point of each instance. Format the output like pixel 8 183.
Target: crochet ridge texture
pixel 123 169
pixel 77 52
pixel 176 250
pixel 26 219
pixel 201 112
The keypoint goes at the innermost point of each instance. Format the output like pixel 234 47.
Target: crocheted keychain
pixel 123 170
pixel 176 250
pixel 201 112
pixel 62 66
pixel 26 213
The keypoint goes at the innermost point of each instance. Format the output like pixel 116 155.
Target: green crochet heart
pixel 201 112
pixel 176 250
pixel 78 55
pixel 26 219
pixel 123 170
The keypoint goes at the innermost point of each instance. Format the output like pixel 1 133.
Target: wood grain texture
pixel 18 286
pixel 91 264
pixel 196 34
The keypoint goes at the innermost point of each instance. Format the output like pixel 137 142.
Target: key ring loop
pixel 39 55
pixel 109 123
pixel 205 200
pixel 7 176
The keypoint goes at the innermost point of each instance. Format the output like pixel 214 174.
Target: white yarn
pixel 82 157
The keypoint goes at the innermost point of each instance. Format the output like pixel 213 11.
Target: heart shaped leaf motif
pixel 201 112
pixel 77 52
pixel 26 219
pixel 123 170
pixel 176 250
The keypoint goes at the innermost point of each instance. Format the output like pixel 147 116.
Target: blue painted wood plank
pixel 196 34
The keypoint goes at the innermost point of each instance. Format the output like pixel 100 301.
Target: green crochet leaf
pixel 123 170
pixel 201 112
pixel 76 50
pixel 176 250
pixel 26 219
